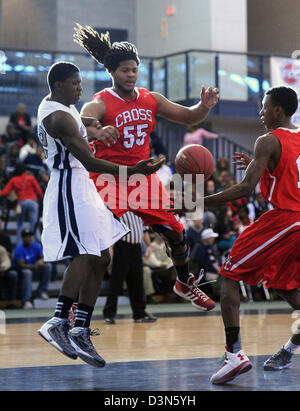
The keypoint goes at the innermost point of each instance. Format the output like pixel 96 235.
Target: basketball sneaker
pixel 234 364
pixel 279 361
pixel 56 332
pixel 81 342
pixel 190 291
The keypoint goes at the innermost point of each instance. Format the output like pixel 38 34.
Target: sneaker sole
pixel 55 345
pixel 269 368
pixel 86 357
pixel 192 302
pixel 233 373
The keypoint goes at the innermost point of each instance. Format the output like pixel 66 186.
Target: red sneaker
pixel 190 291
pixel 72 314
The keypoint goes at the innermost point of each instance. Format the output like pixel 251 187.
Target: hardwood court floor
pixel 173 341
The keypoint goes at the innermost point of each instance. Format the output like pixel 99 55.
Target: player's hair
pixel 101 49
pixel 285 97
pixel 60 71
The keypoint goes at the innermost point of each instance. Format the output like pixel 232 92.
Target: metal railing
pixel 178 76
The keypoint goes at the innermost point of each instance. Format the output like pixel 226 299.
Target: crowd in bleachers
pixel 23 180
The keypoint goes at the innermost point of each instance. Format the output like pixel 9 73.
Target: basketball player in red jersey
pixel 268 251
pixel 132 112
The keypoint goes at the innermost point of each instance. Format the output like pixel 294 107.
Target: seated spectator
pixel 28 148
pixel 28 191
pixel 261 206
pixel 222 173
pixel 193 234
pixel 22 121
pixel 242 219
pixel 10 138
pixel 163 271
pixel 226 230
pixel 28 262
pixel 35 162
pixel 157 145
pixel 10 281
pixel 205 256
pixel 3 173
pixel 12 160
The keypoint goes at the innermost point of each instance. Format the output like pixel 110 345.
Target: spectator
pixel 193 234
pixel 12 160
pixel 157 146
pixel 222 173
pixel 28 261
pixel 210 215
pixel 205 256
pixel 8 277
pixel 242 219
pixel 10 138
pixel 28 148
pixel 22 121
pixel 226 230
pixel 260 206
pixel 127 265
pixel 3 173
pixel 163 271
pixel 196 133
pixel 27 190
pixel 35 162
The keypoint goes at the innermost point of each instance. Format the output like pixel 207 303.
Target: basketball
pixel 194 159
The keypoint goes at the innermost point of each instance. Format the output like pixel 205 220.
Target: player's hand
pixel 146 167
pixel 108 134
pixel 209 97
pixel 241 160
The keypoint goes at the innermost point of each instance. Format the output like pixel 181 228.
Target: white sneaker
pixel 234 364
pixel 44 296
pixel 28 305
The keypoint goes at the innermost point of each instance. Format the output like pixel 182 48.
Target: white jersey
pixel 75 219
pixel 58 156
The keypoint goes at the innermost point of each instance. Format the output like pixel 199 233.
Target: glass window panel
pixel 201 71
pixel 176 78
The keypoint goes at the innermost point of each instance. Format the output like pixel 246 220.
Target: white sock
pixel 291 347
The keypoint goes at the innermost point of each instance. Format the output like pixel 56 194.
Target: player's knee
pixel 176 244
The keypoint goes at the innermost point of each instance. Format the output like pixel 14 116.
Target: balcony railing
pixel 178 76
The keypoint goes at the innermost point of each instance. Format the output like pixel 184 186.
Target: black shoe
pixel 148 318
pixel 56 332
pixel 81 342
pixel 11 307
pixel 109 320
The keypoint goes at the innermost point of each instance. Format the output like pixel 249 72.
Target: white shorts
pixel 75 219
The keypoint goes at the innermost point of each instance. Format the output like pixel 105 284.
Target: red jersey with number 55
pixel 282 187
pixel 134 119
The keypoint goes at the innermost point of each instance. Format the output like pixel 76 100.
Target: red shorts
pixel 267 251
pixel 145 196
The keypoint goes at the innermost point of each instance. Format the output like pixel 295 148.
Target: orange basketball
pixel 194 159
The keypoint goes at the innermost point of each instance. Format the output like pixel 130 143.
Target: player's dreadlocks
pixel 101 49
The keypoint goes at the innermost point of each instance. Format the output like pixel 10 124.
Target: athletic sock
pixel 291 347
pixel 83 315
pixel 183 272
pixel 63 306
pixel 233 339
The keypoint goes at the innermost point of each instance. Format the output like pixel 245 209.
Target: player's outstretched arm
pixel 187 115
pixel 96 110
pixel 265 147
pixel 61 125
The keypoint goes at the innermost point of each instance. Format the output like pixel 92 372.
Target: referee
pixel 127 265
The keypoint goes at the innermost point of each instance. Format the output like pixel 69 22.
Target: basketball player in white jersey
pixel 76 223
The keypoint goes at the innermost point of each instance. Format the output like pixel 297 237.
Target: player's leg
pixel 56 330
pixel 283 358
pixel 185 285
pixel 235 360
pixel 88 294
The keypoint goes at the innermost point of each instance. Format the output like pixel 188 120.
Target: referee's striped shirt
pixel 136 225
